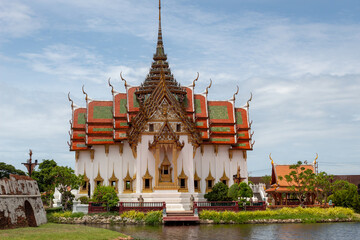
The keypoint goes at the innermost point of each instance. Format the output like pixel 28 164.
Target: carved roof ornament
pixel 248 101
pixel 125 84
pixel 237 91
pixel 166 135
pixel 112 87
pixel 151 105
pixel 207 88
pixel 193 85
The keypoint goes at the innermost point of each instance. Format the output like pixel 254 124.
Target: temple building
pixel 280 191
pixel 160 140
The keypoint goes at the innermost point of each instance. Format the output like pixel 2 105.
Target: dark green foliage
pixel 43 175
pixel 323 186
pixel 52 210
pixel 266 179
pixel 153 218
pixel 7 169
pixel 66 180
pixel 106 195
pixel 345 194
pixel 233 192
pixel 219 193
pixel 83 200
pixel 244 190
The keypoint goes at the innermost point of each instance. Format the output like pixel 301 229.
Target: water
pixel 313 231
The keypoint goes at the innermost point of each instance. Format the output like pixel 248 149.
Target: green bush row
pixel 150 218
pixel 305 214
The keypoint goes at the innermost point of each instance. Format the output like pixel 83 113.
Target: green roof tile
pixel 102 112
pixel 81 118
pixel 239 119
pixel 197 106
pixel 122 106
pixel 218 112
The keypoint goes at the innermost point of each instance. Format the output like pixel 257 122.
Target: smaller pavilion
pixel 280 190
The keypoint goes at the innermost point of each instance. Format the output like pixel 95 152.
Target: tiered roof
pixel 125 117
pixel 278 181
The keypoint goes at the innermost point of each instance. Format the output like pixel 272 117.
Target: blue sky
pixel 300 59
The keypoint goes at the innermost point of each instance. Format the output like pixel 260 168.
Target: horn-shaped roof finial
pixel 207 88
pixel 272 161
pixel 196 79
pixel 248 101
pixel 70 100
pixel 316 158
pixel 110 85
pixel 123 80
pixel 86 96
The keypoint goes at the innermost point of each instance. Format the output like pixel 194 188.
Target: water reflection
pixel 326 231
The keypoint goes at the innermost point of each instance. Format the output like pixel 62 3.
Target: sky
pixel 299 59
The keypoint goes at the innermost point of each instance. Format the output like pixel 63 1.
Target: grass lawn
pixel 59 231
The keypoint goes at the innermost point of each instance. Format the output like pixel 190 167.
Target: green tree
pixel 323 186
pixel 244 190
pixel 345 195
pixel 218 193
pixel 65 180
pixel 43 175
pixel 45 180
pixel 266 179
pixel 7 169
pixel 233 192
pixel 301 181
pixel 106 195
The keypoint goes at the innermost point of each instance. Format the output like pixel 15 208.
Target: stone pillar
pixel 157 162
pixel 174 157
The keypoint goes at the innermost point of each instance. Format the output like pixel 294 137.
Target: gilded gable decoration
pixel 113 180
pixel 85 187
pixel 183 180
pixel 224 179
pixel 197 180
pixel 128 182
pixel 210 180
pixel 98 180
pixel 147 181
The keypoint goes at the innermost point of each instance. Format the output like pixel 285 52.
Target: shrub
pixel 219 193
pixel 138 216
pixel 244 190
pixel 305 214
pixel 83 200
pixel 107 195
pixel 233 192
pixel 153 217
pixel 52 210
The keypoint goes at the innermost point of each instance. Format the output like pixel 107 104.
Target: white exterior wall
pixel 145 158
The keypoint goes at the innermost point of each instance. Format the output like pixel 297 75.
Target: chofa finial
pixel 272 161
pixel 207 88
pixel 237 91
pixel 70 100
pixel 248 101
pixel 123 79
pixel 316 158
pixel 86 95
pixel 110 85
pixel 196 79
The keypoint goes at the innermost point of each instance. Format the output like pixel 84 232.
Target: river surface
pixel 308 231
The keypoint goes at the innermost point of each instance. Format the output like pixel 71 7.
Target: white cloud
pixel 17 19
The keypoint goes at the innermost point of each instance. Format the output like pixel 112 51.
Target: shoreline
pixel 114 220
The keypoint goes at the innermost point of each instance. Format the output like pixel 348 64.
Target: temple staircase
pixel 180 217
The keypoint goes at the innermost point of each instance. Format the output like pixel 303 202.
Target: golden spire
pixel 160 46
